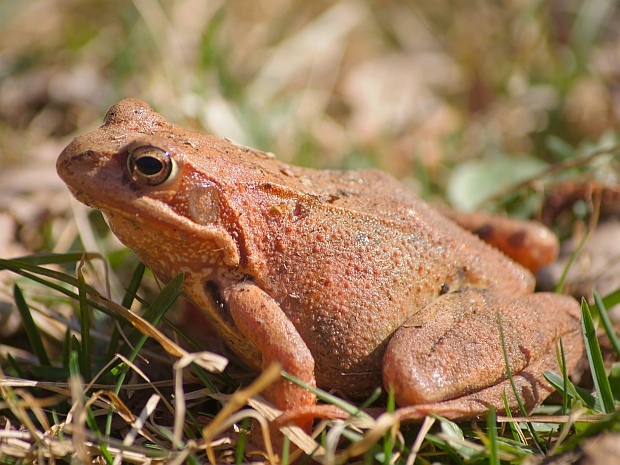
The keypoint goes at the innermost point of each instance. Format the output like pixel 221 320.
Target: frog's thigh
pixel 261 320
pixel 527 242
pixel 452 348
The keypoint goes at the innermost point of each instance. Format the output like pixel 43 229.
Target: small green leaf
pixel 74 363
pixel 560 148
pixel 454 443
pixel 474 181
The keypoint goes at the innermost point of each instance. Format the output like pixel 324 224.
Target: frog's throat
pixel 158 218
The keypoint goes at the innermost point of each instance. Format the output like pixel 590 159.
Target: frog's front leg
pixel 448 358
pixel 261 320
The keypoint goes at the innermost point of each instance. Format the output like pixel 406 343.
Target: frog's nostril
pixel 90 154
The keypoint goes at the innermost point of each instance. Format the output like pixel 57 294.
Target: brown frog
pixel 345 278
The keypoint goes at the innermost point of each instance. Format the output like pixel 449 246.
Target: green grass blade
pixel 612 299
pixel 74 371
pixel 134 284
pixel 561 355
pixel 241 441
pixel 128 298
pixel 595 358
pixel 33 273
pixel 327 397
pixel 84 314
pixel 286 448
pixel 74 347
pixel 574 392
pixel 31 328
pixel 153 315
pixel 66 348
pixel 155 312
pixel 15 366
pixel 57 259
pixel 511 424
pixel 607 324
pixel 513 386
pixel 493 441
pixel 560 285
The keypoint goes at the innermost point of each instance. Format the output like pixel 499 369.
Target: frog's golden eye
pixel 151 166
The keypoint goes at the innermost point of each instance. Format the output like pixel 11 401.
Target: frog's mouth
pixel 134 220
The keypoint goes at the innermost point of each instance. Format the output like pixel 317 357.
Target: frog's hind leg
pixel 448 358
pixel 529 243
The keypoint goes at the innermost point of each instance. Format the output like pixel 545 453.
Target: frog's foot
pixel 448 358
pixel 530 390
pixel 527 242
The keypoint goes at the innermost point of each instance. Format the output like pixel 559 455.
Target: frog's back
pixel 351 256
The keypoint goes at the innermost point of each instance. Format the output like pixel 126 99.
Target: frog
pixel 345 278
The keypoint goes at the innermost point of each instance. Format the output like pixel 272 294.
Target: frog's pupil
pixel 149 165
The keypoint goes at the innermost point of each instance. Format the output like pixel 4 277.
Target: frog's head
pixel 137 169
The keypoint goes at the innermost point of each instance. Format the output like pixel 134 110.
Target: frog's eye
pixel 151 166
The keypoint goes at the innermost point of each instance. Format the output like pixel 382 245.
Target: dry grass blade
pixel 19 444
pixel 180 407
pixel 417 445
pixel 386 422
pixel 240 399
pixel 139 422
pixel 575 415
pixel 296 435
pixel 77 418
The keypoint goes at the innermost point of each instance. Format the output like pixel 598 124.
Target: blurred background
pixel 456 98
pixel 459 99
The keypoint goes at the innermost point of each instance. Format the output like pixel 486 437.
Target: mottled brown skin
pixel 346 278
